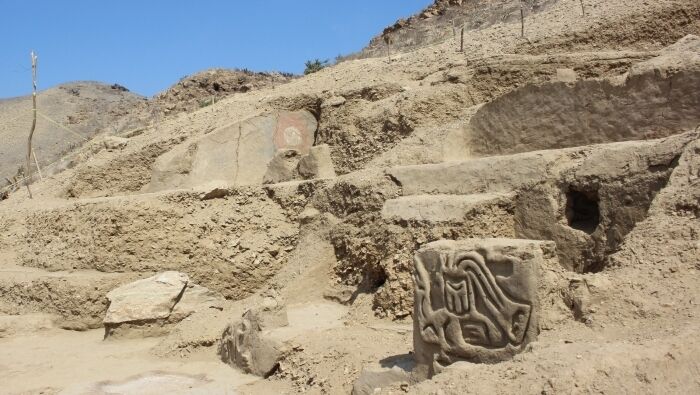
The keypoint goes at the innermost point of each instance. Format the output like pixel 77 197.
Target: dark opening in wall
pixel 379 279
pixel 582 210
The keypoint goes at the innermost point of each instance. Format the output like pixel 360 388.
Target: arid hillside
pixel 204 88
pixel 69 115
pixel 445 19
pixel 521 216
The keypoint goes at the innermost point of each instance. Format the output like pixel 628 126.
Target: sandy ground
pixel 69 362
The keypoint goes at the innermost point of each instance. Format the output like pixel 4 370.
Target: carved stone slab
pixel 249 343
pixel 475 300
pixel 236 154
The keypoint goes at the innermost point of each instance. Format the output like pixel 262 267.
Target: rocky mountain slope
pixel 445 19
pixel 206 87
pixel 566 163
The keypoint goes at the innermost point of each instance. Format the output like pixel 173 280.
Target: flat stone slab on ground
pixel 145 307
pixel 148 299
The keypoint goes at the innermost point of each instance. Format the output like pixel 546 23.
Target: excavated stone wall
pixel 233 244
pixel 655 99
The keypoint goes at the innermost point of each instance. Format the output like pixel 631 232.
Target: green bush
pixel 206 102
pixel 315 65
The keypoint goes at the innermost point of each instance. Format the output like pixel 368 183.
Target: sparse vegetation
pixel 119 87
pixel 315 65
pixel 206 102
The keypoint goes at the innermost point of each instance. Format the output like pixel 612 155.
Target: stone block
pixel 147 299
pixel 334 101
pixel 317 164
pixel 476 299
pixel 149 307
pixel 442 208
pixel 500 174
pixel 283 167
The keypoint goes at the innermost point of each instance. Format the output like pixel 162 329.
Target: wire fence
pixel 477 16
pixel 70 140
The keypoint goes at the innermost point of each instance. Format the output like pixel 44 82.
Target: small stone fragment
pixel 334 101
pixel 113 143
pixel 375 378
pixel 566 75
pixel 282 167
pixel 317 164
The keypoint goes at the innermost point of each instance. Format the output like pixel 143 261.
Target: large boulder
pixel 150 306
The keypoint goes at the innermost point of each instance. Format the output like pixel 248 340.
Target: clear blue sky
pixel 149 45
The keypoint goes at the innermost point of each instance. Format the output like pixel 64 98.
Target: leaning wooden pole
pixel 31 131
pixel 522 20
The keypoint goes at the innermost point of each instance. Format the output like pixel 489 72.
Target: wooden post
pixel 522 20
pixel 388 41
pixel 461 40
pixel 31 132
pixel 388 49
pixel 583 10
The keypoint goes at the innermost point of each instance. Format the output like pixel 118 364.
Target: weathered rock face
pixel 145 307
pixel 238 154
pixel 248 343
pixel 289 164
pixel 476 299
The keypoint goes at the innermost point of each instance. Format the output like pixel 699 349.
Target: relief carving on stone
pixel 472 304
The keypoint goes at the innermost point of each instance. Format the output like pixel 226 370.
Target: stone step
pixel 507 173
pixel 443 208
pixel 77 297
pixel 482 175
